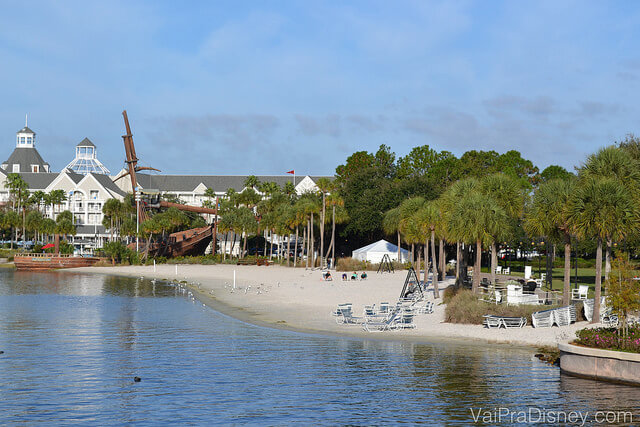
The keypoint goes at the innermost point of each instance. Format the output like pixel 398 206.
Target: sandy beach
pixel 298 299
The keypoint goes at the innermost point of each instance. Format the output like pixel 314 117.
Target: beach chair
pixel 564 316
pixel 382 324
pixel 384 308
pixel 426 308
pixel 581 293
pixel 587 306
pixel 405 320
pixel 491 321
pixel 346 317
pixel 513 322
pixel 542 319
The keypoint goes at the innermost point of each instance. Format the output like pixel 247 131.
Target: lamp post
pixel 137 218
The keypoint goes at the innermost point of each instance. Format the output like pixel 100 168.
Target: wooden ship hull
pixel 40 262
pixel 191 242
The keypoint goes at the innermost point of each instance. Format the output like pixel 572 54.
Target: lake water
pixel 73 344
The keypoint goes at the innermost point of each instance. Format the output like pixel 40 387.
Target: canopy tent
pixel 375 251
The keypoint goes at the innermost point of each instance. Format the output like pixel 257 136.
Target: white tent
pixel 375 251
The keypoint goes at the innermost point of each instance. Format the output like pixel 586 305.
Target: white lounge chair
pixel 498 270
pixel 405 320
pixel 582 293
pixel 506 270
pixel 542 319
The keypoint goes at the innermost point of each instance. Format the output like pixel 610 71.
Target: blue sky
pixel 268 86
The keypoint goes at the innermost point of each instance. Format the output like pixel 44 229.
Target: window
pixel 79 219
pixel 16 168
pixel 29 140
pixel 93 194
pixel 35 168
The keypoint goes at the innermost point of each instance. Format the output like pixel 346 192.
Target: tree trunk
pixel 426 262
pixel 265 243
pixel 566 289
pixel 494 262
pixel 224 252
pixel 333 239
pixel 306 242
pixel 598 293
pixel 288 248
pixel 476 267
pixel 458 260
pixel 295 249
pixel 442 261
pixel 399 249
pixel 436 292
pixel 244 245
pixel 311 242
pixel 322 229
pixel 607 262
pixel 419 263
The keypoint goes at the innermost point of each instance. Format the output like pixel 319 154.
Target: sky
pixel 264 87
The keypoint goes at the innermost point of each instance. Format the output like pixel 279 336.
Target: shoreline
pixel 296 299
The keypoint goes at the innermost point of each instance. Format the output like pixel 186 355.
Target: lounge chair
pixel 580 294
pixel 506 270
pixel 382 324
pixel 426 308
pixel 498 270
pixel 405 320
pixel 491 321
pixel 542 319
pixel 606 317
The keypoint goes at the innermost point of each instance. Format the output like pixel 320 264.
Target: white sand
pixel 298 299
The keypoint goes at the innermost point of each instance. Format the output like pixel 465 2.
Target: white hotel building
pixel 88 185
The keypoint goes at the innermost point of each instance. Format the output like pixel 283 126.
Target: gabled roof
pixel 38 180
pixel 25 157
pixel 85 143
pixel 26 130
pixel 106 182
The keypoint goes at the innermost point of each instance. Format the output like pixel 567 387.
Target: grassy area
pixel 586 276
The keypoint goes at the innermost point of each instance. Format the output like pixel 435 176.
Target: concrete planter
pixel 598 364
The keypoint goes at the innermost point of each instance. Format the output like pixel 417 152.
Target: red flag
pixel 292 172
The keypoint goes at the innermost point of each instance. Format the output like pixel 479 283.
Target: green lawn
pixel 586 276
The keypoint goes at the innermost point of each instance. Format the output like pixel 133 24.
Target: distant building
pixel 25 157
pixel 86 160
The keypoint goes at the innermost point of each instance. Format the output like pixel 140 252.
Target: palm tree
pixel 391 225
pixel 407 209
pixel 509 195
pixel 477 219
pixel 429 218
pixel 324 186
pixel 603 209
pixel 251 182
pixel 56 197
pixel 338 216
pixel 613 162
pixel 459 190
pixel 548 216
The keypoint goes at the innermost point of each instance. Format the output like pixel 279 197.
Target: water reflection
pixel 74 342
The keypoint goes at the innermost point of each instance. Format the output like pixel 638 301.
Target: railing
pixel 41 255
